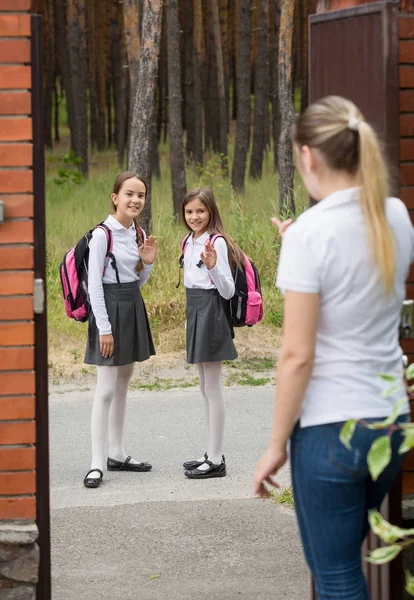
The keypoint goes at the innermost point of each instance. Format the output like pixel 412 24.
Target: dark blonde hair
pixel 337 128
pixel 119 182
pixel 215 225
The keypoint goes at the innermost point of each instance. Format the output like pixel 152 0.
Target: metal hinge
pixel 39 297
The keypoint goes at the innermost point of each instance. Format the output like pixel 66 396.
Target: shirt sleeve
pixel 221 272
pixel 298 269
pixel 97 255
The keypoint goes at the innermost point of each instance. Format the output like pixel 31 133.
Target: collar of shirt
pixel 201 240
pixel 115 224
pixel 339 197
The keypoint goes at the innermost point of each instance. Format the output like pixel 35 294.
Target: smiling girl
pixel 118 333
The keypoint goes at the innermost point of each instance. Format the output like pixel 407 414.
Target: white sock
pixel 206 406
pixel 106 378
pixel 213 391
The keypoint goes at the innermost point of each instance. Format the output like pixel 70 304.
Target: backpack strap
pixel 109 246
pixel 184 245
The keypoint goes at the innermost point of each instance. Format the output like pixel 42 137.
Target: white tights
pixel 211 386
pixel 109 408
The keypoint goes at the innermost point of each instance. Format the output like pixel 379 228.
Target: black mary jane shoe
pixel 212 471
pixel 93 482
pixel 117 465
pixel 193 464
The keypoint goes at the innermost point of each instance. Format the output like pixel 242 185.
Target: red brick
pixel 406 52
pixel 16 5
pixel 407 346
pixel 17 383
pixel 407 196
pixel 23 432
pixel 12 284
pixel 14 51
pixel 407 174
pixel 408 464
pixel 16 334
pixel 16 257
pixel 17 459
pixel 15 130
pixel 18 508
pixel 406 101
pixel 17 483
pixel 407 125
pixel 16 155
pixel 411 213
pixel 15 77
pixel 406 76
pixel 407 28
pixel 16 232
pixel 18 205
pixel 15 103
pixel 17 408
pixel 407 149
pixel 14 25
pixel 16 181
pixel 16 359
pixel 410 290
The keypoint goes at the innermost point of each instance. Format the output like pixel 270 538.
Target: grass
pixel 74 208
pixel 160 384
pixel 282 496
pixel 244 378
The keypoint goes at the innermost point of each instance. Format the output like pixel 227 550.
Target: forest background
pixel 186 93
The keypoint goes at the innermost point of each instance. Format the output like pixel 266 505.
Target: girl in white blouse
pixel 118 332
pixel 342 269
pixel 209 284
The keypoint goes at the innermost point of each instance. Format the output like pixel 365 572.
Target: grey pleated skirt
pixel 130 327
pixel 209 335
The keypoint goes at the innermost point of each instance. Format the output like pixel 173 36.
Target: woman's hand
pixel 281 225
pixel 106 345
pixel 270 463
pixel 209 256
pixel 148 250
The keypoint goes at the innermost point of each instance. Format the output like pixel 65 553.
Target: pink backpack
pixel 246 306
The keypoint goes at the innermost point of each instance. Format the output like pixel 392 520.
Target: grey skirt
pixel 209 335
pixel 130 327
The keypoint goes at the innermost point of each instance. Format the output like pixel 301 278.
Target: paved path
pixel 158 535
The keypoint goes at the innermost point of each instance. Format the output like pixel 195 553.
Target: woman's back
pixel 327 252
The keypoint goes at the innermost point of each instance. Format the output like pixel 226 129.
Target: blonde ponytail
pixel 336 127
pixel 374 191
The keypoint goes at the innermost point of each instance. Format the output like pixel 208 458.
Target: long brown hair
pixel 215 225
pixel 119 182
pixel 337 128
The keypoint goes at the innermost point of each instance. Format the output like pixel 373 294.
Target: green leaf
pixel 409 373
pixel 154 576
pixel 408 442
pixel 383 529
pixel 393 416
pixel 384 555
pixel 390 391
pixel 409 583
pixel 379 456
pixel 388 378
pixel 347 432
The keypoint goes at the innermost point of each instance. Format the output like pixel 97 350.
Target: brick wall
pixel 17 378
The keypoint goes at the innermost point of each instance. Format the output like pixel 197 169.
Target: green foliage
pixel 409 583
pixel 347 432
pixel 379 456
pixel 69 173
pixel 383 555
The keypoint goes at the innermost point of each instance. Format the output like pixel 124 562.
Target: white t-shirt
pixel 125 250
pixel 197 275
pixel 326 252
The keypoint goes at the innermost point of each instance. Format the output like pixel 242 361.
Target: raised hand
pixel 209 256
pixel 148 250
pixel 281 225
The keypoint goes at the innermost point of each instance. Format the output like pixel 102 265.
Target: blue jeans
pixel 333 493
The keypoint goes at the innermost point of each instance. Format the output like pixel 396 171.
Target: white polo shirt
pixel 326 252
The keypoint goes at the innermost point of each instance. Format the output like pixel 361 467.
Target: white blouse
pixel 197 275
pixel 125 250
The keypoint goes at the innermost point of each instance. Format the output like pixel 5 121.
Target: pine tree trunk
pixel 92 87
pixel 225 44
pixel 64 62
pixel 101 73
pixel 197 81
pixel 131 9
pixel 188 80
pixel 274 72
pixel 179 186
pixel 309 9
pixel 56 106
pixel 244 38
pixel 285 159
pixel 49 67
pixel 261 92
pixel 78 68
pixel 140 151
pixel 223 124
pixel 119 61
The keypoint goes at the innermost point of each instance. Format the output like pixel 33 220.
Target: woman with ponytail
pixel 342 271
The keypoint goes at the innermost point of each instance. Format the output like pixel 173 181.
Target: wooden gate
pixel 354 53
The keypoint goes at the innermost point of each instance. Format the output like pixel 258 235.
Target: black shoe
pixel 93 482
pixel 193 464
pixel 117 465
pixel 213 471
